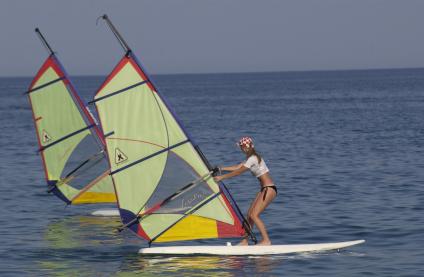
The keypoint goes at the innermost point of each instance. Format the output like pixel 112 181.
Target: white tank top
pixel 257 169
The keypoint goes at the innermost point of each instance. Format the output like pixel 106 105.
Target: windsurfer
pixel 267 193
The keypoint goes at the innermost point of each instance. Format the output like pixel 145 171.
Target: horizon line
pixel 242 72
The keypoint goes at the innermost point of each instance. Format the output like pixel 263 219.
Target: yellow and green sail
pixel 165 190
pixel 75 164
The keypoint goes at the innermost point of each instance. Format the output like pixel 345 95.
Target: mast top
pixel 118 36
pixel 44 41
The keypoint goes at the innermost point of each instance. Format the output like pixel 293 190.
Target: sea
pixel 344 148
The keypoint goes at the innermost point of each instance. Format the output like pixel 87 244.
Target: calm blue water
pixel 344 148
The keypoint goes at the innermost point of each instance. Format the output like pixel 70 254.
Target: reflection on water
pixel 188 266
pixel 265 264
pixel 91 246
pixel 81 246
pixel 82 231
pixel 199 265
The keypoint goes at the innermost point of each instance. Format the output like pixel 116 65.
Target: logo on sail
pixel 120 157
pixel 45 137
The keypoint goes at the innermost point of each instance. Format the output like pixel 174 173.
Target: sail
pixel 165 190
pixel 75 164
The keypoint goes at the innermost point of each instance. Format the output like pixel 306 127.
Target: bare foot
pixel 243 243
pixel 264 242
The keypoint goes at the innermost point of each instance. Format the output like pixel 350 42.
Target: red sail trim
pixel 118 68
pixel 228 230
pixel 50 62
pixel 114 72
pixel 141 232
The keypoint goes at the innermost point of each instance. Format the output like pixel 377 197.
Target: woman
pixel 268 191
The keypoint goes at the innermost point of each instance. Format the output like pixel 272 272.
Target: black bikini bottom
pixel 265 188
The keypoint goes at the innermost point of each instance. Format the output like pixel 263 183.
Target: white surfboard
pixel 247 250
pixel 106 212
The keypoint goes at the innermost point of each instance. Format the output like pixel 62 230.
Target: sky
pixel 213 36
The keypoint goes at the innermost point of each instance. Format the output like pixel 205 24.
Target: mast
pixel 118 36
pixel 44 41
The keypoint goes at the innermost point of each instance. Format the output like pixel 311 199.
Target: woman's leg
pixel 251 208
pixel 258 208
pixel 249 219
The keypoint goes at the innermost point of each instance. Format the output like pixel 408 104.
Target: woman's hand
pixel 217 178
pixel 235 172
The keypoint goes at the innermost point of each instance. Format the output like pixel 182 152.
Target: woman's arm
pixel 231 168
pixel 235 172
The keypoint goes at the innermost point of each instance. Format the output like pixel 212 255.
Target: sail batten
pixel 119 91
pixel 45 85
pixel 67 137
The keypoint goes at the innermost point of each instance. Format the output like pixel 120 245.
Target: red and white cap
pixel 246 142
